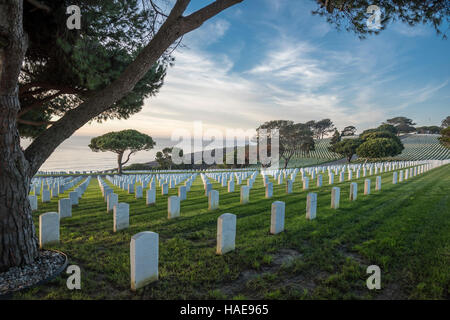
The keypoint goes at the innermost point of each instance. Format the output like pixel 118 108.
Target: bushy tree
pixel 379 144
pixel 445 137
pixel 429 129
pixel 402 124
pixel 348 131
pixel 335 138
pixel 387 127
pixel 165 157
pixel 379 148
pixel 121 141
pixel 293 137
pixel 321 127
pixel 446 122
pixel 62 67
pixel 346 148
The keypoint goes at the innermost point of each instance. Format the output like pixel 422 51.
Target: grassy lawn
pixel 404 229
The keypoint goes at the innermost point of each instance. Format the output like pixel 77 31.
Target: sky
pixel 267 60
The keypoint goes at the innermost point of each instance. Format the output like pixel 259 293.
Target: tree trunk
pixel 119 163
pixel 18 243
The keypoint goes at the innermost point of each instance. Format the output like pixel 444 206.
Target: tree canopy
pixel 62 67
pixel 446 122
pixel 402 124
pixel 121 141
pixel 351 15
pixel 428 129
pixel 321 127
pixel 293 137
pixel 445 137
pixel 348 131
pixel 346 148
pixel 165 157
pixel 379 144
pixel 336 137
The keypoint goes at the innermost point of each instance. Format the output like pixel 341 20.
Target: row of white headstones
pixel 49 222
pixel 144 246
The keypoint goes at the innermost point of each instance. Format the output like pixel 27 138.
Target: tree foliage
pixel 348 131
pixel 379 148
pixel 335 138
pixel 352 15
pixel 429 129
pixel 293 137
pixel 62 67
pixel 165 157
pixel 321 127
pixel 446 122
pixel 121 141
pixel 377 143
pixel 346 148
pixel 445 137
pixel 402 124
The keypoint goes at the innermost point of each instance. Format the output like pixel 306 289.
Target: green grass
pixel 404 229
pixel 423 147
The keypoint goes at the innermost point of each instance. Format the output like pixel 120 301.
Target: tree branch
pixel 196 19
pixel 39 5
pixel 37 104
pixel 128 158
pixel 34 123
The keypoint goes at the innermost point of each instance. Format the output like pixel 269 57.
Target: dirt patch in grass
pixel 283 257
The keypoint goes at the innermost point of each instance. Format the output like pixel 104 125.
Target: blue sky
pixel 264 60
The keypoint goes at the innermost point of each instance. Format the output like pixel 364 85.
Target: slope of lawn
pixel 404 229
pixel 423 147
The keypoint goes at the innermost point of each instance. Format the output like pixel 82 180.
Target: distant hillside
pixel 423 147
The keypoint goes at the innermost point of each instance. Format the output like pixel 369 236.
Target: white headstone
pixel 164 189
pixel 341 176
pixel 311 205
pixel 226 233
pixel 139 192
pixel 48 229
pixel 33 202
pixel 367 186
pixel 150 196
pixel 144 255
pixel 335 197
pixel 353 191
pixel 277 217
pixel 231 186
pixel 173 207
pixel 208 188
pixel 182 193
pixel 121 216
pixel 46 195
pixel 111 201
pixel 305 183
pixel 319 180
pixel 245 194
pixel 288 186
pixel 269 190
pixel 394 178
pixel 213 200
pixel 378 183
pixel 65 208
pixel 73 197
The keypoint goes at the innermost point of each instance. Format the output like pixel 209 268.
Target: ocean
pixel 74 154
